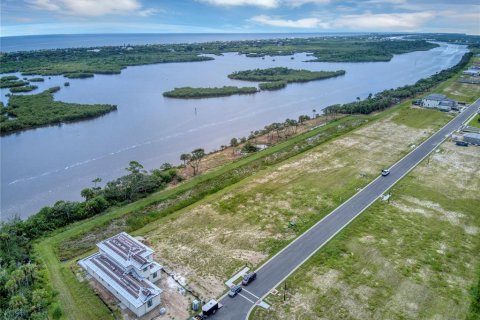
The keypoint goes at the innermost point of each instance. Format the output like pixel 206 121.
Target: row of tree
pixel 387 98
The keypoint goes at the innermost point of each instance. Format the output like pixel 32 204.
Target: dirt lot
pixel 246 223
pixel 412 258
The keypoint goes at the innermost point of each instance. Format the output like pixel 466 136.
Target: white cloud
pixel 91 8
pixel 361 22
pixel 384 21
pixel 396 2
pixel 234 3
pixel 269 4
pixel 300 23
pixel 298 3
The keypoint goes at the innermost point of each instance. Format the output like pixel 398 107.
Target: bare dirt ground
pixel 226 155
pixel 244 224
pixel 412 258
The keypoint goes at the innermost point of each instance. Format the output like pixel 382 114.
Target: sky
pixel 37 17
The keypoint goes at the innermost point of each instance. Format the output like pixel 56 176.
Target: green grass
pixel 71 292
pixel 419 118
pixel 394 262
pixel 402 268
pixel 475 122
pixel 77 299
pixel 460 91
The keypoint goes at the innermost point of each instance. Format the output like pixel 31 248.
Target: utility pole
pixel 285 291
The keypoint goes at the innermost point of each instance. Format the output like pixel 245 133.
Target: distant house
pixel 472 138
pixel 438 101
pixel 125 267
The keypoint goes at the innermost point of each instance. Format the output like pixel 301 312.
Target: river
pixel 41 166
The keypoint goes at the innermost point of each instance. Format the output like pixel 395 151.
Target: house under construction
pixel 125 267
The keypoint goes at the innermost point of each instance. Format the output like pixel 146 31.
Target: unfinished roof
pixel 471 135
pixel 436 97
pixel 447 103
pixel 126 250
pixel 136 290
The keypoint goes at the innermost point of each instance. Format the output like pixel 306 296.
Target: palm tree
pixel 95 181
pixel 185 157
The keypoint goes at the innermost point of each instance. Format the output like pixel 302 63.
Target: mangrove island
pixel 189 92
pixel 31 111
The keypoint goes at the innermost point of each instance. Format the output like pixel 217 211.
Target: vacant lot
pixel 475 122
pixel 412 258
pixel 248 222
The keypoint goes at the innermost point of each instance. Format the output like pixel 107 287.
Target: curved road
pixel 280 266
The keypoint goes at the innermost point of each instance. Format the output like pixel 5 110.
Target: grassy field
pixel 217 213
pixel 475 122
pixel 415 257
pixel 248 221
pixel 61 250
pixel 461 91
pixel 412 258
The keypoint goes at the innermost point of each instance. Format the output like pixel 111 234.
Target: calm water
pixel 47 164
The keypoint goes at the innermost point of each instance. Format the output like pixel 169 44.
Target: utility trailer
pixel 208 309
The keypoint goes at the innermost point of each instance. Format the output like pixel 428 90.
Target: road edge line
pixel 359 213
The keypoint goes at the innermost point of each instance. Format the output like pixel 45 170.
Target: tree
pixel 234 142
pixel 166 166
pixel 17 302
pixel 195 158
pixel 302 119
pixel 134 167
pixel 249 148
pixel 314 111
pixel 185 157
pixel 87 193
pixel 95 181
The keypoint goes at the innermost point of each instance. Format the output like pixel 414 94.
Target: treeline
pixel 283 74
pixel 38 79
pixel 274 85
pixel 11 82
pixel 25 293
pixel 275 132
pixel 26 88
pixel 189 92
pixel 30 111
pixel 112 59
pixel 387 98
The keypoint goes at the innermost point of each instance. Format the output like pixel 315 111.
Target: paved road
pixel 274 271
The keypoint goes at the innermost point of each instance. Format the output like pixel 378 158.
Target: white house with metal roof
pixel 125 267
pixel 438 101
